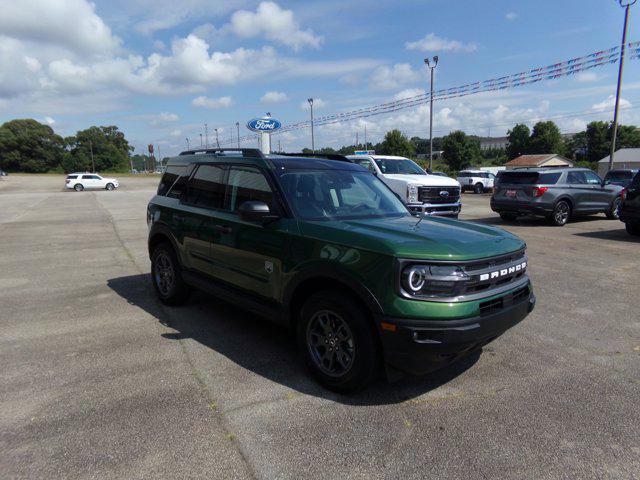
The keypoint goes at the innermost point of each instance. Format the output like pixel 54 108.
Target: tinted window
pixel 592 178
pixel 169 184
pixel 617 175
pixel 71 177
pixel 245 184
pixel 464 174
pixel 206 187
pixel 549 178
pixel 517 178
pixel 636 180
pixel 401 166
pixel 366 163
pixel 576 178
pixel 90 177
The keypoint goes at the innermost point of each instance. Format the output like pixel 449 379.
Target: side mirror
pixel 254 211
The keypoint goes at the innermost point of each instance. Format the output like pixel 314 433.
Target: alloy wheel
pixel 164 274
pixel 561 214
pixel 331 343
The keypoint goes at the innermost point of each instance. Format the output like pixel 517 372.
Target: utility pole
pixel 366 145
pixel 188 143
pixel 93 163
pixel 357 140
pixel 217 140
pixel 313 145
pixel 432 68
pixel 626 4
pixel 206 136
pixel 201 144
pixel 159 159
pixel 238 127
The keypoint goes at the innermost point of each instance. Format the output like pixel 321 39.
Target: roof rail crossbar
pixel 246 152
pixel 328 156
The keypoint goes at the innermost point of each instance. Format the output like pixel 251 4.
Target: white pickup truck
pixel 431 194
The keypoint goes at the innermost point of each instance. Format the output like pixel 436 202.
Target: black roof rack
pixel 246 152
pixel 328 156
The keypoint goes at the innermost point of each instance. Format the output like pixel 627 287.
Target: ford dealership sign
pixel 264 125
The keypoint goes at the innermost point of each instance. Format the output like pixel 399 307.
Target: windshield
pixel 339 194
pixel 399 166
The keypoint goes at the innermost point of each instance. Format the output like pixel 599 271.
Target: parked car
pixel 326 248
pixel 629 210
pixel 422 192
pixel 3 173
pixel 622 177
pixel 80 181
pixel 555 193
pixel 476 180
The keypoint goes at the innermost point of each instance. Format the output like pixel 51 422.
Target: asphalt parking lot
pixel 101 381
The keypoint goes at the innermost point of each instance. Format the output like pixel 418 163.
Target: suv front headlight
pixel 412 193
pixel 431 280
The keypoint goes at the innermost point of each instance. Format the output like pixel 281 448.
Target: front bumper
pixel 443 209
pixel 421 346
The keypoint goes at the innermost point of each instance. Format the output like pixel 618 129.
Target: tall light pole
pixel 206 136
pixel 201 144
pixel 313 145
pixel 432 68
pixel 188 143
pixel 217 139
pixel 626 4
pixel 238 128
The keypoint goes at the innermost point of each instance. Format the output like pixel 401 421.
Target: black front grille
pixel 437 195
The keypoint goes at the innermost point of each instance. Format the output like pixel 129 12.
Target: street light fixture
pixel 626 4
pixel 427 62
pixel 313 146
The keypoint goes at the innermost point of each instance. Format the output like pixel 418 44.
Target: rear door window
pixel 206 187
pixel 549 178
pixel 576 178
pixel 72 177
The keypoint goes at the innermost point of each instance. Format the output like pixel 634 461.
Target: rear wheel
pixel 561 214
pixel 78 187
pixel 110 186
pixel 633 228
pixel 478 188
pixel 166 276
pixel 508 216
pixel 612 213
pixel 337 341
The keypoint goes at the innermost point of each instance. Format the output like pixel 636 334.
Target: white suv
pixel 80 181
pixel 477 180
pixel 431 194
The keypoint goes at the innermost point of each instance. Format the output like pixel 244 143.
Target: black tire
pixel 612 213
pixel 323 340
pixel 508 216
pixel 633 228
pixel 166 276
pixel 78 187
pixel 561 214
pixel 478 188
pixel 110 186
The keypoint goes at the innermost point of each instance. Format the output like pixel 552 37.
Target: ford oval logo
pixel 444 193
pixel 264 125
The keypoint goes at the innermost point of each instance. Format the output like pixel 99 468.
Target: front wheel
pixel 78 187
pixel 561 214
pixel 337 341
pixel 110 186
pixel 633 228
pixel 612 213
pixel 166 276
pixel 478 188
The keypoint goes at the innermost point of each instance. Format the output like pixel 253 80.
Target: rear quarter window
pixel 173 182
pixel 72 177
pixel 549 178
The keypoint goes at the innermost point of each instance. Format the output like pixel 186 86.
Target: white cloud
pixel 274 23
pixel 49 121
pixel 274 97
pixel 70 24
pixel 609 103
pixel 175 133
pixel 511 16
pixel 164 117
pixel 587 77
pixel 432 43
pixel 159 45
pixel 386 78
pixel 206 102
pixel 409 93
pixel 317 103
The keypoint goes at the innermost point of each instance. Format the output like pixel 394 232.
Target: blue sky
pixel 161 69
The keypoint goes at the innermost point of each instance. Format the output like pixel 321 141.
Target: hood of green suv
pixel 405 237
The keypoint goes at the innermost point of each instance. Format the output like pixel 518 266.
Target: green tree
pixel 519 141
pixel 546 138
pixel 29 146
pixel 460 150
pixel 106 145
pixel 395 143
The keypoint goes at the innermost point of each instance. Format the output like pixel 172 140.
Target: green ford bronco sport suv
pixel 327 249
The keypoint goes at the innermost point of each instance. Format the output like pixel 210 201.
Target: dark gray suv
pixel 555 193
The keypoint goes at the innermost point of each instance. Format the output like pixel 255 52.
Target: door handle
pixel 223 229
